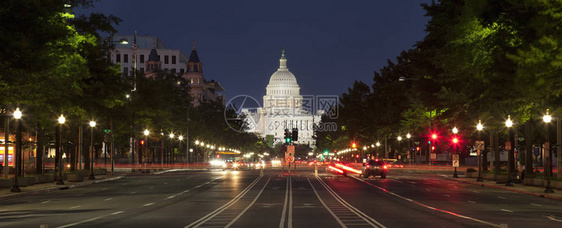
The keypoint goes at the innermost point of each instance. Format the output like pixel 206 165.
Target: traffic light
pixel 353 145
pixel 434 136
pixel 142 142
pixel 287 136
pixel 455 140
pixel 295 134
pixel 418 148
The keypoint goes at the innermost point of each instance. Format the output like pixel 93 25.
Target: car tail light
pixel 384 167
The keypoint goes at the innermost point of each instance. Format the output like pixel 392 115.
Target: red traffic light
pixel 418 148
pixel 432 148
pixel 455 140
pixel 434 136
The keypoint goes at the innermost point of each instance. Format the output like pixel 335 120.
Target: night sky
pixel 329 44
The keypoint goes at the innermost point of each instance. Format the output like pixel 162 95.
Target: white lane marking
pixel 427 189
pixel 551 217
pixel 44 202
pixel 108 199
pixel 219 210
pixel 284 212
pixel 427 206
pixel 446 195
pixel 165 183
pixel 252 204
pixel 470 201
pixel 506 210
pixel 356 211
pixel 103 189
pixel 290 215
pixel 148 204
pixel 2 210
pixel 151 187
pixel 325 206
pixel 79 194
pixel 501 197
pixel 89 220
pixel 132 193
pixel 536 205
pixel 74 207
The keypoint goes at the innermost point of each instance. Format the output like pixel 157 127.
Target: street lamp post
pixel 62 120
pixel 455 141
pixel 399 146
pixel 408 136
pixel 92 125
pixel 180 138
pixel 146 133
pixel 171 161
pixel 479 127
pixel 17 115
pixel 548 169
pixel 510 157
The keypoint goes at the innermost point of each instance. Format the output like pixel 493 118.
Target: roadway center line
pixel 325 206
pixel 501 197
pixel 536 205
pixel 360 214
pixel 148 204
pixel 551 217
pixel 89 220
pixel 506 210
pixel 44 202
pixel 284 212
pixel 132 193
pixel 74 207
pixel 108 199
pixel 470 201
pixel 447 195
pixel 219 210
pixel 251 204
pixel 427 206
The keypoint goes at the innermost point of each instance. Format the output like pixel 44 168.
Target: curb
pixel 508 189
pixel 56 188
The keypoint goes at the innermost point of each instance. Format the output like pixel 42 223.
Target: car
pixel 230 165
pixel 374 168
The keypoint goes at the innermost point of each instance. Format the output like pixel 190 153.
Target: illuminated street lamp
pixel 510 156
pixel 146 133
pixel 61 120
pixel 479 127
pixel 548 171
pixel 17 115
pixel 92 125
pixel 172 148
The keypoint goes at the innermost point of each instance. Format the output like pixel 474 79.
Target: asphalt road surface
pixel 216 198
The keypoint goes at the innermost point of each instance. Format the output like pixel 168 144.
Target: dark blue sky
pixel 329 44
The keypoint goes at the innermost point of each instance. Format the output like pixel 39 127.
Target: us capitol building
pixel 283 109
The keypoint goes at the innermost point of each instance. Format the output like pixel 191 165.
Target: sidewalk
pixel 5 193
pixel 517 187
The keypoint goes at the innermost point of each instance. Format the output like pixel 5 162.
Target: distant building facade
pixel 152 56
pixel 283 109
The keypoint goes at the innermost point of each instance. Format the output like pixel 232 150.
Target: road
pixel 216 198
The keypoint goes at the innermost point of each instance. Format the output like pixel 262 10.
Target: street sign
pixel 479 145
pixel 508 145
pixel 291 149
pixel 289 159
pixel 455 163
pixel 536 151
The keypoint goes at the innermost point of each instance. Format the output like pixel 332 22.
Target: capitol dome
pixel 283 82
